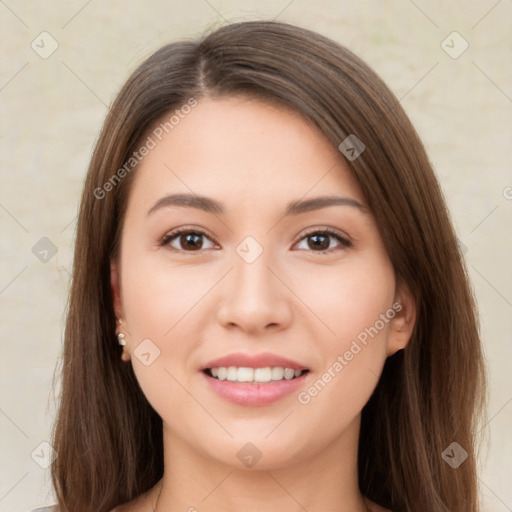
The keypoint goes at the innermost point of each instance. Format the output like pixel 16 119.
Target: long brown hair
pixel 109 439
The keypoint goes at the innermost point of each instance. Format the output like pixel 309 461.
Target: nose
pixel 252 298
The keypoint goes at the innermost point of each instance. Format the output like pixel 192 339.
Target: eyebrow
pixel 293 208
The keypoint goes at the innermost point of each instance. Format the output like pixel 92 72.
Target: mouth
pixel 254 379
pixel 254 375
pixel 251 387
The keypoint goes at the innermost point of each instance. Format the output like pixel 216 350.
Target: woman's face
pixel 263 276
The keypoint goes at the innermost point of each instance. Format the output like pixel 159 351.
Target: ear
pixel 402 324
pixel 115 287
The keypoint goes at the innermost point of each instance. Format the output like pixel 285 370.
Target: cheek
pixel 357 311
pixel 165 303
pixel 350 300
pixel 160 298
pixel 161 305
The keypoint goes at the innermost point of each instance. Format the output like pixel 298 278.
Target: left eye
pixel 320 241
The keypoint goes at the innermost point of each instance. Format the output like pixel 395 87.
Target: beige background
pixel 51 111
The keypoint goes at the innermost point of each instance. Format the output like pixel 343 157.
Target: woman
pixel 269 309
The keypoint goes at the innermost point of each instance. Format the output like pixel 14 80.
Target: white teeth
pixel 289 373
pixel 262 374
pixel 245 374
pixel 277 373
pixel 232 373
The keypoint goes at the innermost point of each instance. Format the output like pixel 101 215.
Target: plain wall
pixel 52 109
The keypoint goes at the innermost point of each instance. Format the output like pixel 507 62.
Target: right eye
pixel 186 240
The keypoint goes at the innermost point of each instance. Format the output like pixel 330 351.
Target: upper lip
pixel 263 360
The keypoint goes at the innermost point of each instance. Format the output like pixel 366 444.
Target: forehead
pixel 240 148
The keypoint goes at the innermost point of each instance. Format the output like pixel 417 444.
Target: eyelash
pixel 343 242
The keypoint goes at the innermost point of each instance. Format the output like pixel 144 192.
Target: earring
pixel 125 357
pixel 120 336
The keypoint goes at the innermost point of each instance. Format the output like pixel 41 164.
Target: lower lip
pixel 254 394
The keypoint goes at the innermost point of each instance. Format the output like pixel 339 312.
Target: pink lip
pixel 254 394
pixel 254 361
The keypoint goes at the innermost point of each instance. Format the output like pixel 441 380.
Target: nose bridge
pixel 251 273
pixel 254 297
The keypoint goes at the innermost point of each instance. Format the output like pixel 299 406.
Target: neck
pixel 325 481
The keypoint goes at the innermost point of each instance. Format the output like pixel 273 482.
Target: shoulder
pixel 53 508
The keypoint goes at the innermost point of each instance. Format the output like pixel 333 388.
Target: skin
pixel 293 300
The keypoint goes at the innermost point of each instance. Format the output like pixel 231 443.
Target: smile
pixel 255 375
